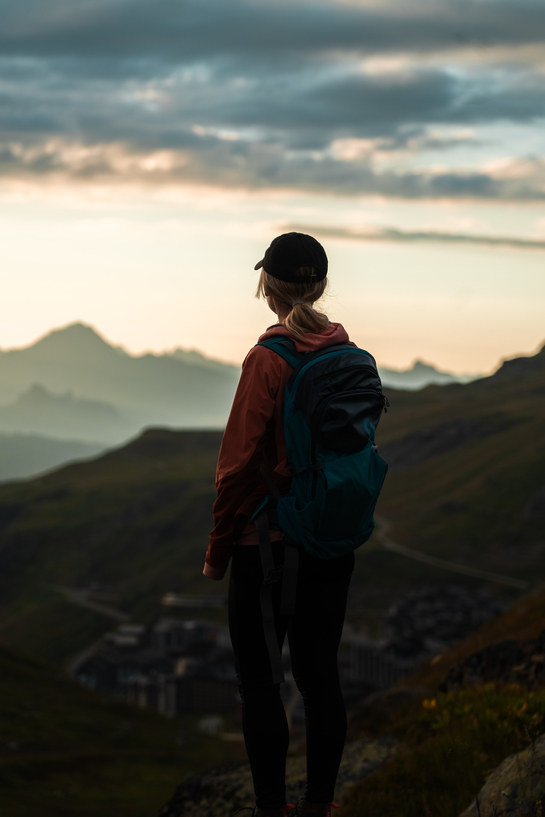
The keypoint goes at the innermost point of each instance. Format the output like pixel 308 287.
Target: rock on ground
pixel 516 788
pixel 220 792
pixel 521 662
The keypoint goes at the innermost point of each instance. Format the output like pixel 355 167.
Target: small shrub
pixel 451 744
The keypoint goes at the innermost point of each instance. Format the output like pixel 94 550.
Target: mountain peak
pixel 421 367
pixel 75 340
pixel 77 328
pixel 78 331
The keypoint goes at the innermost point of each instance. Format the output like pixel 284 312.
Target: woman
pixel 293 278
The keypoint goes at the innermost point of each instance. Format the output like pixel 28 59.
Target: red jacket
pixel 254 436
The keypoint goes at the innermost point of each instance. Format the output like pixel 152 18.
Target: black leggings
pixel 314 634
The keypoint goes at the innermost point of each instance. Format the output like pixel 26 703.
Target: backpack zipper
pixel 348 369
pixel 386 402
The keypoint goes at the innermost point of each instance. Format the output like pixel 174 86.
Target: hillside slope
pixel 467 469
pixel 67 752
pixel 135 520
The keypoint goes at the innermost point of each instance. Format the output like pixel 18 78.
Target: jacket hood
pixel 335 333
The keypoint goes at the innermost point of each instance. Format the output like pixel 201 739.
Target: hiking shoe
pixel 306 809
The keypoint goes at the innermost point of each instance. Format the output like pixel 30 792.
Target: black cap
pixel 290 251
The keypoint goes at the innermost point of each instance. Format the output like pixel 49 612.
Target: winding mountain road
pixel 381 535
pixel 81 598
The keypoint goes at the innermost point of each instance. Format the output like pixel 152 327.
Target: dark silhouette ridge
pixel 521 366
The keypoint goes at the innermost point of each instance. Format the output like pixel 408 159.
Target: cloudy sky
pixel 149 152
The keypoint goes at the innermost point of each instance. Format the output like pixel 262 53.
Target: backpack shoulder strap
pixel 285 347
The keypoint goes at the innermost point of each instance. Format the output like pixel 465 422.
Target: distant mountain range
pixel 74 384
pixel 65 416
pixel 421 375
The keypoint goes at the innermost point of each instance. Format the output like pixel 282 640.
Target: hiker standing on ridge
pixel 297 480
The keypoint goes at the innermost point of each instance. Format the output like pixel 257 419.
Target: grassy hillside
pixel 135 520
pixel 450 745
pixel 467 470
pixel 466 484
pixel 67 752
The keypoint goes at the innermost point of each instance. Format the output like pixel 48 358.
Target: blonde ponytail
pixel 302 317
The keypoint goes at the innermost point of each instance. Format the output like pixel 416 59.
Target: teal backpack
pixel 332 405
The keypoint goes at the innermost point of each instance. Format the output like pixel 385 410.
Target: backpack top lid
pixel 337 390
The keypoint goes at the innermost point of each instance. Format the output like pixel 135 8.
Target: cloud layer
pixel 338 97
pixel 390 234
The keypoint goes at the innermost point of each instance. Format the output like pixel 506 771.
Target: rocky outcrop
pixel 222 791
pixel 428 620
pixel 516 788
pixel 510 662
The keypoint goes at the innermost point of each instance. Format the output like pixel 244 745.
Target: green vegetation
pixel 451 743
pixel 473 499
pixel 135 520
pixel 50 628
pixel 468 466
pixel 67 752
